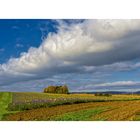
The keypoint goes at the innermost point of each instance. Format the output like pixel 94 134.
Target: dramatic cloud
pixel 80 47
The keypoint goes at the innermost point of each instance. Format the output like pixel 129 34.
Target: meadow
pixel 68 107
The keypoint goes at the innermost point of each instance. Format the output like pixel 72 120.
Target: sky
pixel 87 55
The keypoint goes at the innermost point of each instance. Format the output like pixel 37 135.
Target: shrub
pixel 103 94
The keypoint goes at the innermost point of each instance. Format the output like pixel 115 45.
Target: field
pixel 5 99
pixel 68 107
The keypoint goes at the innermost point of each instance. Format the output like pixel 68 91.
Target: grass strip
pixel 6 98
pixel 82 115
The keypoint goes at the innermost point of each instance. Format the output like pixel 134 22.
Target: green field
pixel 5 99
pixel 82 115
pixel 68 107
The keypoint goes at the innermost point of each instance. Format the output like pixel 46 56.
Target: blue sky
pixel 87 55
pixel 19 35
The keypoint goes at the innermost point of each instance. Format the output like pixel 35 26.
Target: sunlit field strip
pixel 1 94
pixel 6 98
pixel 121 110
pixel 135 117
pixel 28 101
pixel 124 111
pixel 48 113
pixel 25 97
pixel 82 115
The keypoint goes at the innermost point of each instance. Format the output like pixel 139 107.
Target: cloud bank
pixel 119 85
pixel 84 47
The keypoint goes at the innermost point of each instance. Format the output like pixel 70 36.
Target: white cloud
pixel 116 85
pixel 111 29
pixel 89 44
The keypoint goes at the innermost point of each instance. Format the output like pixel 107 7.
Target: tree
pixel 65 89
pixel 50 89
pixel 57 89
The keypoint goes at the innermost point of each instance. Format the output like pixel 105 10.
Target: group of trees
pixel 103 94
pixel 57 89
